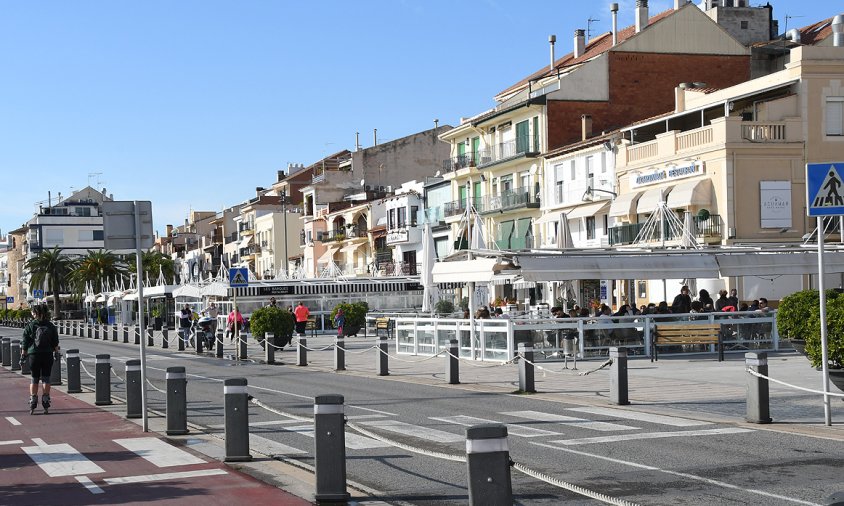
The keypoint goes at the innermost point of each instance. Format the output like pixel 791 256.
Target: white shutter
pixel 835 116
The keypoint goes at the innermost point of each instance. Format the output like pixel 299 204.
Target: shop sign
pixel 663 174
pixel 394 236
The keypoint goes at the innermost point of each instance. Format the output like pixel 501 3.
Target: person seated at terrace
pixel 722 301
pixel 662 308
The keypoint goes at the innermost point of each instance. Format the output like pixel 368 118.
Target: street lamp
pixel 589 194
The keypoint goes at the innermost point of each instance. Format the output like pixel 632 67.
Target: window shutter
pixel 834 117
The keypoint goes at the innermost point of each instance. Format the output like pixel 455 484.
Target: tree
pixel 97 267
pixel 154 262
pixel 51 268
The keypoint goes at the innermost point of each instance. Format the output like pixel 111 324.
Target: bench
pixel 311 325
pixel 666 335
pixel 383 327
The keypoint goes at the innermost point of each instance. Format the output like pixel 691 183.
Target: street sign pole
pixel 139 264
pixel 824 350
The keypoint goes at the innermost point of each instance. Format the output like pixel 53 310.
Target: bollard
pixel 74 383
pixel 125 334
pixel 177 410
pixel 488 463
pixel 618 376
pixel 56 370
pixel 269 348
pixel 452 364
pixel 150 339
pixel 339 354
pixel 330 449
pixel 526 372
pixel 836 499
pixel 244 337
pixel 758 400
pixel 136 332
pixel 181 339
pixel 103 380
pixel 114 333
pixel 7 351
pixel 198 344
pixel 74 327
pixel 301 351
pixel 165 338
pixel 16 355
pixel 381 359
pixel 134 406
pixel 97 331
pixel 237 420
pixel 2 350
pixel 25 370
pixel 218 344
pixel 89 330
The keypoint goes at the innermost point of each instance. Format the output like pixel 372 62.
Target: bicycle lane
pixel 80 454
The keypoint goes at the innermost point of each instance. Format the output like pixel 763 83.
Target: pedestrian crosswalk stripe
pixel 406 429
pixel 512 429
pixel 569 420
pixel 648 435
pixel 61 460
pixel 145 478
pixel 641 417
pixel 272 448
pixel 353 441
pixel 157 452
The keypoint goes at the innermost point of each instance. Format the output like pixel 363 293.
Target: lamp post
pixel 590 193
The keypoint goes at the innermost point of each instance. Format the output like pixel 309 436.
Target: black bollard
pixel 330 449
pixel 618 376
pixel 381 359
pixel 302 351
pixel 758 397
pixel 218 344
pixel 339 354
pixel 177 410
pixel 237 420
pixel 526 372
pixel 125 333
pixel 134 405
pixel 165 338
pixel 56 370
pixel 150 339
pixel 181 333
pixel 114 333
pixel 244 337
pixel 74 382
pixel 269 347
pixel 452 364
pixel 488 462
pixel 16 355
pixel 97 331
pixel 103 380
pixel 7 351
pixel 25 370
pixel 74 327
pixel 136 332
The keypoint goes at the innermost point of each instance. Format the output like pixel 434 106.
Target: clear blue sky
pixel 192 104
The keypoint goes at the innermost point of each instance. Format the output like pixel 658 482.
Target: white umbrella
pixel 564 240
pixel 429 257
pixel 689 231
pixel 478 241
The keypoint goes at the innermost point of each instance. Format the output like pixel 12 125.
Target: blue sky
pixel 192 104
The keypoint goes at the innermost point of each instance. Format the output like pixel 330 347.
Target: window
pixel 606 223
pixel 590 227
pixel 835 116
pixel 401 218
pixel 559 192
pixel 603 163
pixel 744 25
pixel 414 213
pixel 82 211
pixel 86 235
pixel 53 237
pixel 391 219
pixel 524 181
pixel 522 137
pixel 573 171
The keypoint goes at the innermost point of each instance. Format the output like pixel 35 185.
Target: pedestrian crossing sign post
pixel 825 189
pixel 239 277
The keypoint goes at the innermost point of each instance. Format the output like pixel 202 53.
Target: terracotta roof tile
pixel 816 32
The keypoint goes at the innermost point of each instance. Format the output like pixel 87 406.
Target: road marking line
pixel 353 441
pixel 12 442
pixel 512 429
pixel 419 431
pixel 677 473
pixel 270 447
pixel 12 420
pixel 90 485
pixel 39 442
pixel 649 435
pixel 569 420
pixel 61 460
pixel 158 452
pixel 145 478
pixel 642 417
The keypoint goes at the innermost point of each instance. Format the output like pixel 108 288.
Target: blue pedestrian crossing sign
pixel 38 294
pixel 10 300
pixel 825 189
pixel 239 277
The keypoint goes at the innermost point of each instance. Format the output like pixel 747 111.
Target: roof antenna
pixel 589 28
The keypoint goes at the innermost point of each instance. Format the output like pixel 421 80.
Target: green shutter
pixel 476 146
pixel 461 194
pixel 522 137
pixel 535 134
pixel 505 230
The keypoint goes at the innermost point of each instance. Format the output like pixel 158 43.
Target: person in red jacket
pixel 301 313
pixel 234 316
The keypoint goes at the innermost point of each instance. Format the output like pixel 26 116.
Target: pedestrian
pixel 762 306
pixel 722 301
pixel 339 322
pixel 705 300
pixel 212 312
pixel 234 323
pixel 185 322
pixel 734 301
pixel 273 302
pixel 301 313
pixel 40 341
pixel 682 302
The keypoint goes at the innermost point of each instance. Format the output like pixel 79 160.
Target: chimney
pixel 579 42
pixel 838 31
pixel 679 99
pixel 793 35
pixel 374 136
pixel 641 15
pixel 614 10
pixel 259 190
pixel 169 230
pixel 552 39
pixel 679 3
pixel 357 141
pixel 586 126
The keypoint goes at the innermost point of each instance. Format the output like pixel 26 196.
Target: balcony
pixel 518 198
pixel 245 228
pixel 708 230
pixel 459 162
pixel 454 208
pixel 525 147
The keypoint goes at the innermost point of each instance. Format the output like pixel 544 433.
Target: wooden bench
pixel 311 325
pixel 666 335
pixel 383 327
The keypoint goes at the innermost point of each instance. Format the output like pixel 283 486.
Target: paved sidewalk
pixel 82 454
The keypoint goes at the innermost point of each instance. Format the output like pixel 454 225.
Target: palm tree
pixel 95 268
pixel 154 262
pixel 52 268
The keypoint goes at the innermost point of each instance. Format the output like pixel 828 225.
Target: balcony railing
pixel 511 149
pixel 454 208
pixel 459 162
pixel 763 132
pixel 626 234
pixel 517 198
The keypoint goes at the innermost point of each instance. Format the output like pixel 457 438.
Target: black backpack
pixel 43 341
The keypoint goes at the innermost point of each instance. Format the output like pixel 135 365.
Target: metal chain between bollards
pixel 412 449
pixel 260 404
pixel 605 364
pixel 316 349
pixel 82 365
pixel 155 387
pixel 358 352
pixel 754 373
pixel 113 371
pixel 571 487
pixel 411 361
pixel 543 369
pixel 473 364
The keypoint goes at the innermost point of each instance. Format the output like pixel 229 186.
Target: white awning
pixel 624 205
pixel 651 199
pixel 100 298
pixel 778 264
pixel 589 210
pixel 131 296
pixel 550 217
pixel 90 298
pixel 328 256
pixel 479 270
pixel 215 289
pixel 351 247
pixel 191 291
pixel 570 267
pixel 159 290
pixel 697 192
pixel 246 241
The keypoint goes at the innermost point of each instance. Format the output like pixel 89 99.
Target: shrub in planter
pixel 444 307
pixel 355 314
pixel 272 319
pixel 798 317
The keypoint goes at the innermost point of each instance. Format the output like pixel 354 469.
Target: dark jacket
pixel 682 304
pixel 28 342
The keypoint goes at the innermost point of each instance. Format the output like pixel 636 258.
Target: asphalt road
pixel 653 461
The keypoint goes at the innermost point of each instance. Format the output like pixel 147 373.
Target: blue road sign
pixel 825 189
pixel 38 294
pixel 10 300
pixel 239 277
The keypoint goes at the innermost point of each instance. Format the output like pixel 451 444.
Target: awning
pixel 778 264
pixel 90 298
pixel 328 256
pixel 131 296
pixel 479 270
pixel 697 192
pixel 191 291
pixel 570 267
pixel 215 289
pixel 246 241
pixel 624 205
pixel 589 210
pixel 100 298
pixel 351 247
pixel 651 199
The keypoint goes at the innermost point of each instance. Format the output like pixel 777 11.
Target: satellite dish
pixel 363 182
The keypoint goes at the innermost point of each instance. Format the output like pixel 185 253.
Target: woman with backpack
pixel 40 341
